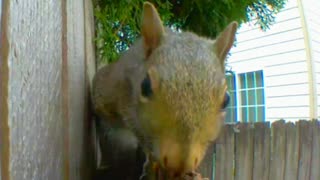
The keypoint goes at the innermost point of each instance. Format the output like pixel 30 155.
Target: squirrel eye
pixel 226 100
pixel 146 89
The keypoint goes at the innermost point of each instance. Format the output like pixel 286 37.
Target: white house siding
pixel 312 16
pixel 280 53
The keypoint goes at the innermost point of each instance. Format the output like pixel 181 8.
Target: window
pixel 252 97
pixel 232 107
pixel 247 101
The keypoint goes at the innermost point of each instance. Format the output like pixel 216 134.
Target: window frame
pixel 239 89
pixel 234 91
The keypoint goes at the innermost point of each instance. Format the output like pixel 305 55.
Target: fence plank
pixel 90 135
pixel 229 155
pixel 219 157
pixel 46 101
pixel 261 151
pixel 244 152
pixel 206 167
pixel 315 162
pixel 278 147
pixel 292 153
pixel 36 116
pixel 225 154
pixel 4 90
pixel 305 149
pixel 76 89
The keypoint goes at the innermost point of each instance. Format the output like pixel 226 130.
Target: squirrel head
pixel 183 94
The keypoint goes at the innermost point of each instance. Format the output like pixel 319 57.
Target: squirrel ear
pixel 152 29
pixel 225 40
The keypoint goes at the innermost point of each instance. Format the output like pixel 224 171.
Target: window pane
pixel 243 98
pixel 260 96
pixel 228 79
pixel 231 82
pixel 252 114
pixel 251 97
pixel 244 114
pixel 242 81
pixel 248 114
pixel 234 114
pixel 250 80
pixel 261 114
pixel 233 100
pixel 259 79
pixel 231 115
pixel 228 115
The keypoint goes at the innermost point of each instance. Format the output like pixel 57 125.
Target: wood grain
pixel 278 150
pixel 292 152
pixel 244 152
pixel 283 151
pixel 315 161
pixel 225 146
pixel 205 168
pixel 4 83
pixel 48 85
pixel 261 162
pixel 305 149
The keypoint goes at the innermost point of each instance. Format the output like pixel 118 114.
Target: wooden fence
pixel 282 151
pixel 46 65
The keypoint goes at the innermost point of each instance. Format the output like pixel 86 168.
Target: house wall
pixel 280 53
pixel 312 17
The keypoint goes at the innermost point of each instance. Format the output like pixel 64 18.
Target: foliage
pixel 117 21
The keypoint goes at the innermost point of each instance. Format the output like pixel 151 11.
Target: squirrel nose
pixel 178 158
pixel 176 167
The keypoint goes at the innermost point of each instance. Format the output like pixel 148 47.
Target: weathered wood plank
pixel 47 88
pixel 229 154
pixel 261 160
pixel 76 88
pixel 219 156
pixel 206 167
pixel 244 152
pixel 89 42
pixel 225 146
pixel 4 82
pixel 278 150
pixel 315 162
pixel 90 64
pixel 35 86
pixel 64 91
pixel 292 152
pixel 305 149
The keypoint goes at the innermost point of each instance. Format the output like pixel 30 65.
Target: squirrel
pixel 167 93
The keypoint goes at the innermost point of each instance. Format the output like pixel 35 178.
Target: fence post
pixel 206 167
pixel 292 152
pixel 261 160
pixel 225 153
pixel 315 164
pixel 278 150
pixel 244 152
pixel 44 109
pixel 305 149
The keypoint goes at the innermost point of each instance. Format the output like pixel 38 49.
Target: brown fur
pixel 184 114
